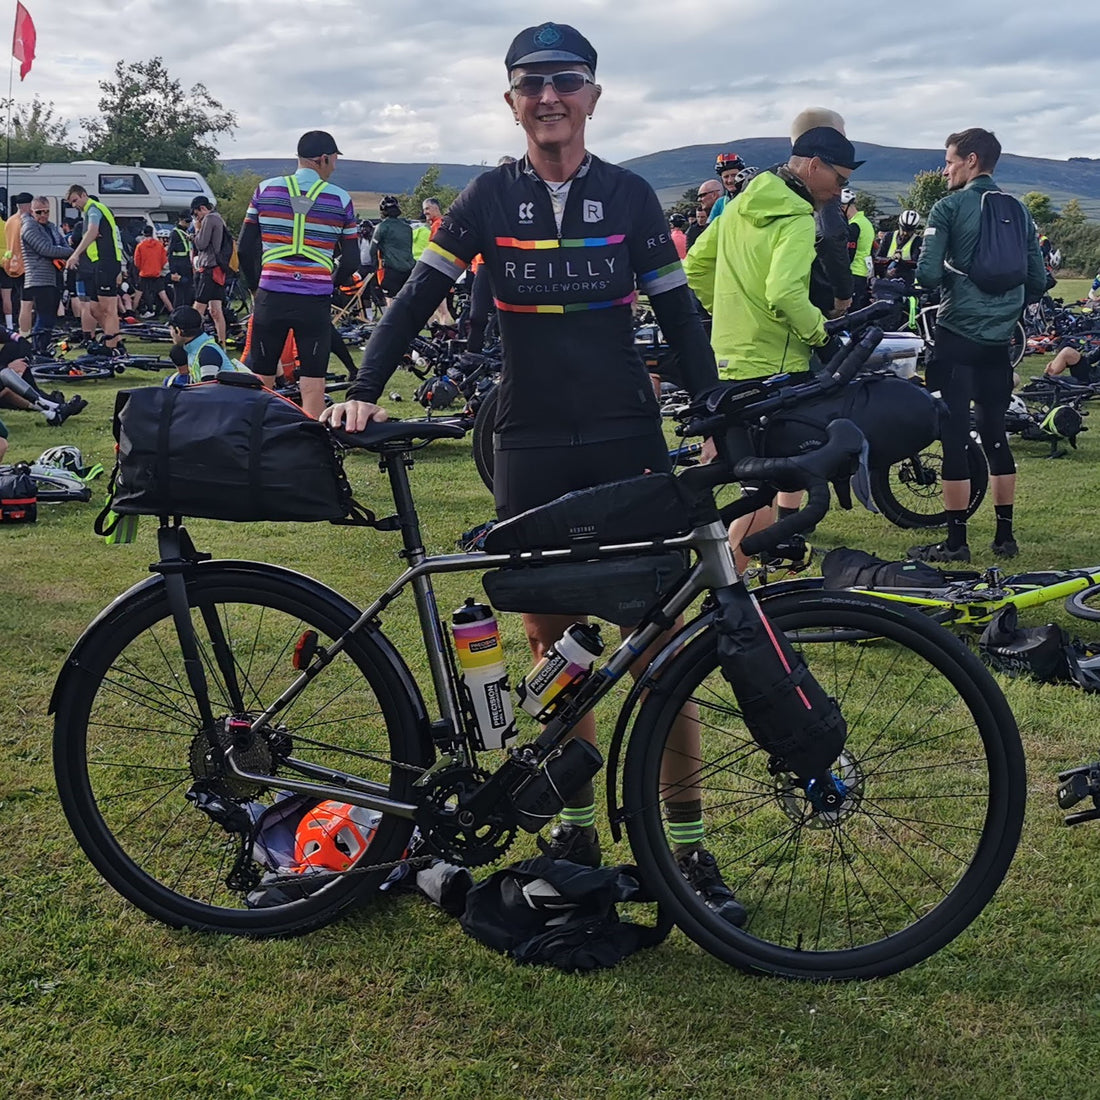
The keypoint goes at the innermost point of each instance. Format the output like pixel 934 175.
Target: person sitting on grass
pixel 1083 365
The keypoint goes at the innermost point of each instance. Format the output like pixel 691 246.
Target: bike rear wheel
pixel 910 493
pixel 130 753
pixel 935 780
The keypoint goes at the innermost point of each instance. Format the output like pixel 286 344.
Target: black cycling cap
pixel 316 143
pixel 199 201
pixel 23 198
pixel 186 319
pixel 550 42
pixel 828 144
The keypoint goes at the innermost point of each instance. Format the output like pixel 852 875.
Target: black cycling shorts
pixel 206 289
pixel 393 281
pixel 13 350
pixel 529 476
pixel 101 280
pixel 308 316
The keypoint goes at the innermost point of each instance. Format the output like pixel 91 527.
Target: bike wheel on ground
pixel 935 781
pixel 132 762
pixel 485 422
pixel 79 370
pixel 910 493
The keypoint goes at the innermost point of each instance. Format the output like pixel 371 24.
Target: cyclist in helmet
pixel 678 224
pixel 861 239
pixel 576 408
pixel 391 247
pixel 899 251
pixel 727 167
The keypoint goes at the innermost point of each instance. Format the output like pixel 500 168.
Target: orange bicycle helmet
pixel 332 836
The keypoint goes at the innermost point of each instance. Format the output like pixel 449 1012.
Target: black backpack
pixel 999 263
pixel 224 254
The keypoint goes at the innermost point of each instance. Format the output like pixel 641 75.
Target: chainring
pixel 451 831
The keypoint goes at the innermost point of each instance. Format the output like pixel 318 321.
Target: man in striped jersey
pixel 299 239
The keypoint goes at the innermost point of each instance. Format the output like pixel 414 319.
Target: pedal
pixel 1077 784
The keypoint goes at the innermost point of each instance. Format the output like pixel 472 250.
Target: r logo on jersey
pixel 526 213
pixel 593 210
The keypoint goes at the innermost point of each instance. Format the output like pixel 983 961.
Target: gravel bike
pixel 198 698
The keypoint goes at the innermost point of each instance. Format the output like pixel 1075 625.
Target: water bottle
pixel 566 664
pixel 481 660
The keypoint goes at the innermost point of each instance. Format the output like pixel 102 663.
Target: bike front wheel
pixel 910 493
pixel 145 787
pixel 934 782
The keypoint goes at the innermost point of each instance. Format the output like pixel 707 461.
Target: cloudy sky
pixel 406 80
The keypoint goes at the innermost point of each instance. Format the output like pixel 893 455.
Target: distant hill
pixel 887 173
pixel 365 175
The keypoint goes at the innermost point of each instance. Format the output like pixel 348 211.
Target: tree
pixel 867 202
pixel 1072 216
pixel 429 187
pixel 686 203
pixel 1041 208
pixel 925 191
pixel 147 118
pixel 37 134
pixel 233 192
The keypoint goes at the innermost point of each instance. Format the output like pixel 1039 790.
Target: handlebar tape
pixel 817 505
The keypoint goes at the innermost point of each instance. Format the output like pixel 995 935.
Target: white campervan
pixel 137 195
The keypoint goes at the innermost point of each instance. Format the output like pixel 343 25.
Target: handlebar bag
pixel 618 590
pixel 229 452
pixel 638 509
pixel 898 417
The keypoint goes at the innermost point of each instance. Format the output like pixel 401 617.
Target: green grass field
pixel 96 1000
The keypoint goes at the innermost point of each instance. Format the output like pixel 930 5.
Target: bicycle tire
pixel 127 745
pixel 910 493
pixel 58 490
pixel 1078 604
pixel 71 373
pixel 485 421
pixel 926 833
pixel 1017 346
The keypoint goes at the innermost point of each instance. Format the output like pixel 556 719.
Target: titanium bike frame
pixel 714 568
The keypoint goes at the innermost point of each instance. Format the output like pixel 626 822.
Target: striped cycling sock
pixel 685 825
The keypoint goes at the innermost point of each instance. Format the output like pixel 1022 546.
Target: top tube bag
pixel 224 451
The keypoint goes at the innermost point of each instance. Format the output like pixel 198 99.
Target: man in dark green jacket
pixel 391 247
pixel 973 332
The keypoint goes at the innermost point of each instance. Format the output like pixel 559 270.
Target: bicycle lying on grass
pixel 205 691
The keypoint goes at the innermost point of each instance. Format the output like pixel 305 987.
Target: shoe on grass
pixel 62 413
pixel 700 868
pixel 939 551
pixel 1006 549
pixel 576 843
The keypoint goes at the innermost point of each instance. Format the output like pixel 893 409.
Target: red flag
pixel 24 40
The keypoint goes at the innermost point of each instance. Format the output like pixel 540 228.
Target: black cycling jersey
pixel 571 371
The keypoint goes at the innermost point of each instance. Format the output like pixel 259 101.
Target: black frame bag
pixel 225 451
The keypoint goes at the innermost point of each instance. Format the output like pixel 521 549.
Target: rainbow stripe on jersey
pixel 566 242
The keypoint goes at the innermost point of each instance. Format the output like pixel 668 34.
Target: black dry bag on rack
pixel 229 451
pixel 785 709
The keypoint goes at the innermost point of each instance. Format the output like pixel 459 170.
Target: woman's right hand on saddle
pixel 353 416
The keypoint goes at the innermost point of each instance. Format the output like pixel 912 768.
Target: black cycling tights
pixel 965 371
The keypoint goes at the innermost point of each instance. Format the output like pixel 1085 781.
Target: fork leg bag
pixel 785 709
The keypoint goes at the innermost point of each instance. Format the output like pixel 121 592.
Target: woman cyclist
pixel 567 239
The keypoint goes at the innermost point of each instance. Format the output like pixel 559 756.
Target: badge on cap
pixel 547 36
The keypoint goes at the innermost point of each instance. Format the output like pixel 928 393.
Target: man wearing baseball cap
pixel 753 274
pixel 299 239
pixel 751 270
